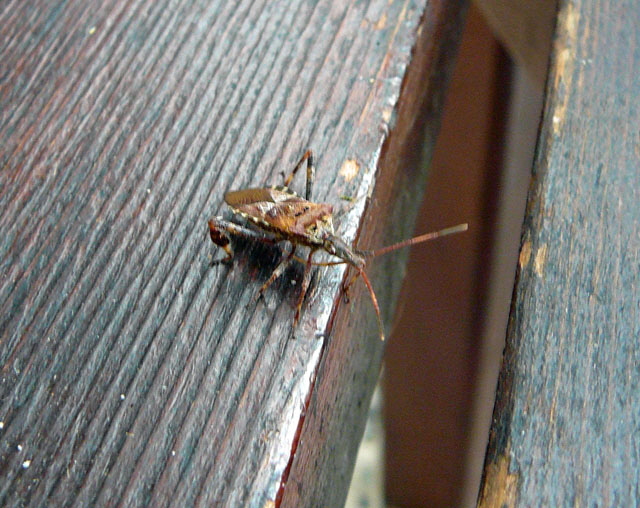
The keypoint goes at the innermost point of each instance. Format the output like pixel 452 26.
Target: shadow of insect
pixel 278 214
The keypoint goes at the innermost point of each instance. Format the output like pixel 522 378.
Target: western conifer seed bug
pixel 279 214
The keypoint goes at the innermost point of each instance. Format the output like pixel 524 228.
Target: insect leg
pixel 306 278
pixel 347 285
pixel 220 231
pixel 278 271
pixel 374 300
pixel 308 156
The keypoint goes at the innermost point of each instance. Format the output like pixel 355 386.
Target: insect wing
pixel 280 210
pixel 272 208
pixel 284 217
pixel 264 195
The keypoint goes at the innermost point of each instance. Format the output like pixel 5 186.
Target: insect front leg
pixel 221 230
pixel 347 285
pixel 311 170
pixel 306 279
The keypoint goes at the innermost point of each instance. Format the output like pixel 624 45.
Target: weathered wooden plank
pixel 336 412
pixel 567 416
pixel 132 371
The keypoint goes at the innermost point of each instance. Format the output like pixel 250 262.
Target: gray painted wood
pixel 567 415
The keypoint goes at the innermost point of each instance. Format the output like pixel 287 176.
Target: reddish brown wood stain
pixel 133 371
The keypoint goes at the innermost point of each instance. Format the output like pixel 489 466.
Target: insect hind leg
pixel 311 170
pixel 221 230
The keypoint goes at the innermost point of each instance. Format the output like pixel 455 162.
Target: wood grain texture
pixel 567 416
pixel 133 372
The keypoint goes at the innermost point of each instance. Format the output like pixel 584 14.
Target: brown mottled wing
pixel 252 196
pixel 278 210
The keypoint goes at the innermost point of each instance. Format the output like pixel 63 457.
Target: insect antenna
pixel 369 254
pixel 417 239
pixel 367 283
pixel 390 248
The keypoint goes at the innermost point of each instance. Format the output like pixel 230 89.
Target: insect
pixel 279 214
